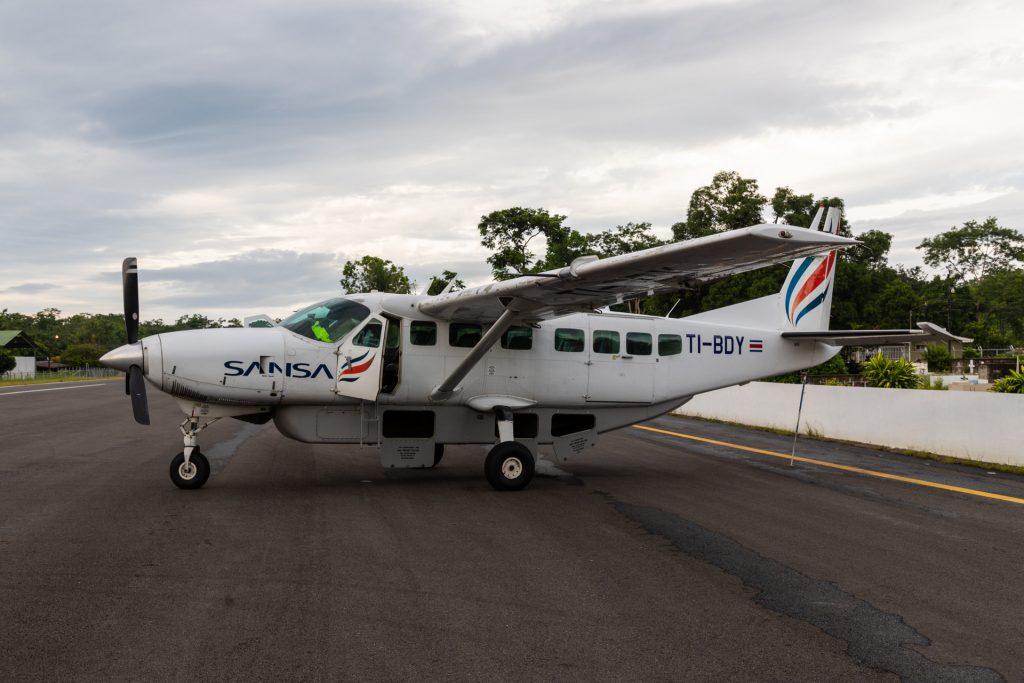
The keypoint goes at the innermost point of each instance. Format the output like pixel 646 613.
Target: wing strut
pixel 446 388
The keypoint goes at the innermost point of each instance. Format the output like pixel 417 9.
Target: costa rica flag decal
pixel 756 345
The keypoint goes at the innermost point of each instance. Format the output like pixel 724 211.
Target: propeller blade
pixel 130 285
pixel 137 385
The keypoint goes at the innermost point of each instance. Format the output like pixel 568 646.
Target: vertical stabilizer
pixel 807 292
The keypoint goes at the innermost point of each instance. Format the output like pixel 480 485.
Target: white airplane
pixel 533 361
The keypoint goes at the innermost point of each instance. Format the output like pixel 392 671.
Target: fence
pixel 85 371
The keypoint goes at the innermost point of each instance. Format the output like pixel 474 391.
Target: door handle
pixel 626 357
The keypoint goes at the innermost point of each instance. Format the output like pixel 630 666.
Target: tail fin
pixel 807 292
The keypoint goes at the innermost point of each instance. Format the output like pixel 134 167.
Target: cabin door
pixel 360 360
pixel 622 360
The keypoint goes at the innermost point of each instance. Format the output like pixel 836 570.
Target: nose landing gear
pixel 190 469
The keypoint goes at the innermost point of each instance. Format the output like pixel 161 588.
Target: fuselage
pixel 581 360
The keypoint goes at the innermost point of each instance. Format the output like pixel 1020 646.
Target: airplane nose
pixel 124 357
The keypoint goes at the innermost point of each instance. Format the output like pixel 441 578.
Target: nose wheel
pixel 191 474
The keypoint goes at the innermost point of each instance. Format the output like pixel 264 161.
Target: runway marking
pixel 33 391
pixel 845 468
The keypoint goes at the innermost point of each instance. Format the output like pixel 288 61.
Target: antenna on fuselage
pixel 673 307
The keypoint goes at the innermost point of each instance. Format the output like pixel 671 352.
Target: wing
pixel 591 283
pixel 928 332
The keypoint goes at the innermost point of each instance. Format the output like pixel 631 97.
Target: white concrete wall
pixel 979 426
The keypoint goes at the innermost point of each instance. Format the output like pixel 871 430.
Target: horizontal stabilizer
pixel 928 332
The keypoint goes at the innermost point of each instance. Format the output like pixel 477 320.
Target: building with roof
pixel 24 351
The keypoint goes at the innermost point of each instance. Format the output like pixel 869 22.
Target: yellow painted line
pixel 837 466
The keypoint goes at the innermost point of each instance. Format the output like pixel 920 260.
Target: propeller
pixel 130 286
pixel 134 380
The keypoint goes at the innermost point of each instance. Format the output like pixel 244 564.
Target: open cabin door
pixel 360 360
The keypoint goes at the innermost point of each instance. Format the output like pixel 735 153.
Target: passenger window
pixel 606 341
pixel 569 340
pixel 638 343
pixel 669 344
pixel 517 337
pixel 369 335
pixel 423 333
pixel 464 335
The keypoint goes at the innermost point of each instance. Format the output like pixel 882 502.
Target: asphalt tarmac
pixel 654 557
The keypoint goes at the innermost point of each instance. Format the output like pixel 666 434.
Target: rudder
pixel 806 294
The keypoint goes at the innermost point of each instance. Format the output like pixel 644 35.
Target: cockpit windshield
pixel 328 321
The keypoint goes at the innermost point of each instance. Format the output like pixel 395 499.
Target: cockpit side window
pixel 328 321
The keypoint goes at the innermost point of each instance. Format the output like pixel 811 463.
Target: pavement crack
pixel 878 639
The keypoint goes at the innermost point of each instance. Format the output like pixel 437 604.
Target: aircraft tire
pixel 509 466
pixel 195 476
pixel 438 454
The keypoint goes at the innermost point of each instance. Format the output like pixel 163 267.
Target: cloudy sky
pixel 243 151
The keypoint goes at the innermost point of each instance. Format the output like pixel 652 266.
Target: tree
pixel 969 253
pixel 508 233
pixel 7 362
pixel 729 202
pixel 82 354
pixel 623 239
pixel 873 250
pixel 372 273
pixel 439 282
pixel 793 208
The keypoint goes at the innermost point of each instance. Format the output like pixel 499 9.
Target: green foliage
pixel 833 366
pixel 439 282
pixel 623 239
pixel 372 273
pixel 971 252
pixel 508 233
pixel 729 202
pixel 1012 383
pixel 970 352
pixel 890 374
pixel 938 357
pixel 934 384
pixel 79 355
pixel 7 361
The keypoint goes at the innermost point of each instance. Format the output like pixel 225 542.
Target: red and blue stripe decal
pixel 808 287
pixel 756 346
pixel 350 371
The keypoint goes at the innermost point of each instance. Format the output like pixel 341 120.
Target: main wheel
pixel 438 453
pixel 193 475
pixel 509 466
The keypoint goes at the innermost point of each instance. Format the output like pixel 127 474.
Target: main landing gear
pixel 510 464
pixel 190 469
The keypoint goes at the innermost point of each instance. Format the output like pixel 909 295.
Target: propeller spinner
pixel 129 357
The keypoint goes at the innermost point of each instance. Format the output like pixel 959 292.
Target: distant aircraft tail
pixel 806 294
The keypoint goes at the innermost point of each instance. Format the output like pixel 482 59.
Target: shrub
pixel 1013 383
pixel 938 357
pixel 890 374
pixel 935 385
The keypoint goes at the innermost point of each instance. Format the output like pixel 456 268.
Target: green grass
pixel 52 380
pixel 923 455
